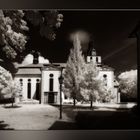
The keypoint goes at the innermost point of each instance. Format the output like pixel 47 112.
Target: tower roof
pixel 93 52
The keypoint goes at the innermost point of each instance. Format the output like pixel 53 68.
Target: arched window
pixel 51 82
pixel 21 82
pixel 29 88
pixel 37 89
pixel 105 79
pixel 91 58
pixel 97 59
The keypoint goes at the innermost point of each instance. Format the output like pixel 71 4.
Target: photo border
pixel 70 134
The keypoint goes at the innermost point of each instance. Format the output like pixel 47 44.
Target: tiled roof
pixel 33 69
pixel 32 66
pixel 27 71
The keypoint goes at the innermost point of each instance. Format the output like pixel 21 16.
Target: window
pixel 51 82
pixel 97 59
pixel 105 76
pixel 51 75
pixel 105 79
pixel 91 58
pixel 21 82
pixel 37 80
pixel 37 89
pixel 65 97
pixel 29 88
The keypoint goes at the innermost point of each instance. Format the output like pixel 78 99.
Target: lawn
pixel 29 117
pixel 107 117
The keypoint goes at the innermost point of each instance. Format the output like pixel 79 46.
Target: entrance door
pixel 50 97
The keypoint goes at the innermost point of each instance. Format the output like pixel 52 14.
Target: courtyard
pixel 46 117
pixel 28 117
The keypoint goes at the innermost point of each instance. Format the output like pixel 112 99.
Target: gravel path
pixel 29 117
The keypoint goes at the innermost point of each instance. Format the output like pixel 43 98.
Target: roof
pixel 28 71
pixel 107 68
pixel 32 66
pixel 35 69
pixel 58 64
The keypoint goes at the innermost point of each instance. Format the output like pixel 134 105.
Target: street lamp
pixel 61 82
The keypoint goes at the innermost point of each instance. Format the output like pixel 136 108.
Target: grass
pixel 102 118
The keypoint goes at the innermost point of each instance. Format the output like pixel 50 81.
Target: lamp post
pixel 61 82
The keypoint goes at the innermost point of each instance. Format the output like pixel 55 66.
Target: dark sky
pixel 110 30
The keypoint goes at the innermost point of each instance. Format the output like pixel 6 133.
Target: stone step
pixel 29 101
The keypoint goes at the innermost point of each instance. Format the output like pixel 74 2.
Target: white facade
pixel 108 77
pixel 34 81
pixel 106 74
pixel 96 59
pixel 50 91
pixel 40 82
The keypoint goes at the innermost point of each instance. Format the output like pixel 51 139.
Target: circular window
pixel 20 80
pixel 51 75
pixel 29 80
pixel 104 75
pixel 37 80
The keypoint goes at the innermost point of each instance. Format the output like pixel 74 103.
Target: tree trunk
pixel 12 102
pixel 74 102
pixel 91 104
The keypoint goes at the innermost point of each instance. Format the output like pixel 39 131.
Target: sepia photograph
pixel 69 69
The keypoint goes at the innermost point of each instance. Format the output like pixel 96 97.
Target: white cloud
pixel 29 60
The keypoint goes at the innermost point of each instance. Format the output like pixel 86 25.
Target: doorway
pixel 51 97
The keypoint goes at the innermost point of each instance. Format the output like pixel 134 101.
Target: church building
pixel 40 81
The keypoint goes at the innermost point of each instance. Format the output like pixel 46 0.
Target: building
pixel 40 81
pixel 106 74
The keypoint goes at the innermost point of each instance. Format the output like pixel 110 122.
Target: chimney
pixel 35 57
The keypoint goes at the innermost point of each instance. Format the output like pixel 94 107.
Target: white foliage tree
pixel 74 72
pixel 8 87
pixel 12 32
pixel 91 88
pixel 128 83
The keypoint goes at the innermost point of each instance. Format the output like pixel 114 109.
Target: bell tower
pixel 92 55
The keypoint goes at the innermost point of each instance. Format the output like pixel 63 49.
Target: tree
pixel 8 87
pixel 48 21
pixel 12 35
pixel 13 31
pixel 5 77
pixel 91 85
pixel 93 88
pixel 128 84
pixel 74 72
